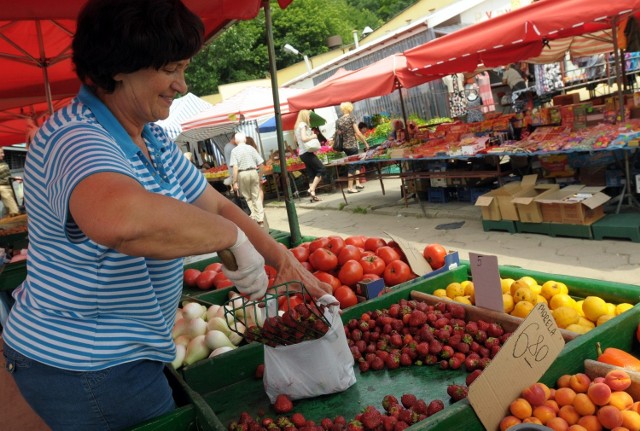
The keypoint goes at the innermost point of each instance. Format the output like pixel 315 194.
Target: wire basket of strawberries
pixel 286 315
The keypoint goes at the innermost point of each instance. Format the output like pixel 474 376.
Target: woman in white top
pixel 315 168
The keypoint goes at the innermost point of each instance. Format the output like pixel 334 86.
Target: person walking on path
pixel 228 148
pixel 347 127
pixel 6 191
pixel 114 208
pixel 251 142
pixel 315 168
pixel 246 180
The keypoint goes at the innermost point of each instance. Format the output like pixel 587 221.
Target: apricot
pixel 532 420
pixel 565 396
pixel 544 413
pixel 520 408
pixel 553 404
pixel 590 422
pixel 558 424
pixel 599 393
pixel 576 427
pixel 599 379
pixel 583 405
pixel 635 406
pixel 617 380
pixel 631 420
pixel 509 421
pixel 535 394
pixel 563 381
pixel 569 414
pixel 580 382
pixel 610 417
pixel 620 429
pixel 621 400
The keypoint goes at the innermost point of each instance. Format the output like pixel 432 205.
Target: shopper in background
pixel 263 179
pixel 114 207
pixel 398 133
pixel 228 148
pixel 315 168
pixel 6 191
pixel 246 180
pixel 513 78
pixel 346 125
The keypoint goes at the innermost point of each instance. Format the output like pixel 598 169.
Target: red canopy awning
pixel 377 79
pixel 514 36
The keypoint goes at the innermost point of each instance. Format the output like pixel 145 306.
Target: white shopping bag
pixel 314 367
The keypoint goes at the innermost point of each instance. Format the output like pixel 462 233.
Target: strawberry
pixel 400 426
pixel 395 340
pixel 457 392
pixel 388 423
pixel 472 376
pixel 455 363
pixel 388 401
pixel 417 318
pixel 457 311
pixel 495 330
pixel 283 404
pixel 355 425
pixel 259 371
pixel 371 418
pixel 340 420
pixel 326 424
pixel 377 364
pixel 392 361
pixel 363 365
pixel 434 407
pixel 420 407
pixel 408 400
pixel 298 420
pixel 405 360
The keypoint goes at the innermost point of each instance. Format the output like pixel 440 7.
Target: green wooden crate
pixel 12 275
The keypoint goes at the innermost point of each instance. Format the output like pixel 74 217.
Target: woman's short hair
pixel 124 36
pixel 346 107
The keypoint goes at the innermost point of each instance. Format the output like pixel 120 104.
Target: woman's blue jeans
pixel 112 399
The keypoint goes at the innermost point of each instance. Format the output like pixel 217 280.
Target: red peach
pixel 617 380
pixel 599 393
pixel 610 417
pixel 535 394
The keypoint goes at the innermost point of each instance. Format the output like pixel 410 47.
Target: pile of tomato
pixel 212 277
pixel 345 262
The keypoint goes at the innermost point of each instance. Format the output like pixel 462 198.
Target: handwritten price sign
pixel 522 360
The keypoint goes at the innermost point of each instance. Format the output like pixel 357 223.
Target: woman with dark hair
pixel 114 208
pixel 347 127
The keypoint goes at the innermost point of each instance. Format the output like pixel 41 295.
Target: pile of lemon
pixel 521 295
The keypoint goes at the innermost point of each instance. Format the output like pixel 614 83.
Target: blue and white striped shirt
pixel 84 306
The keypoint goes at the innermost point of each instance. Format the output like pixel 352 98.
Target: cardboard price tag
pixel 486 281
pixel 417 262
pixel 521 361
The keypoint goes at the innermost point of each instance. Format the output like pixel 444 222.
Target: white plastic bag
pixel 311 368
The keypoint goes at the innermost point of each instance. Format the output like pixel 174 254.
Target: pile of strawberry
pixel 396 416
pixel 416 333
pixel 303 322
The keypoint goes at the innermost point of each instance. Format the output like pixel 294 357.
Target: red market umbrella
pixel 18 124
pixel 35 42
pixel 514 36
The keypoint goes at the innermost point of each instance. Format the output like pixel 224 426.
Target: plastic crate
pixel 442 194
pixel 476 192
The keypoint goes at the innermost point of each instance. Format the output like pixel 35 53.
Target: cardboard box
pixel 419 264
pixel 528 209
pixel 574 204
pixel 566 99
pixel 497 205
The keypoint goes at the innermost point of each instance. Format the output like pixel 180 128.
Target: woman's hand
pixel 292 270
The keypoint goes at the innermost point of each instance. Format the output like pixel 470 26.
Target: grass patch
pixel 341 206
pixel 359 210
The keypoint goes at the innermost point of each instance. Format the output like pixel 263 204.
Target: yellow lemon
pixel 469 289
pixel 462 299
pixel 525 281
pixel 586 322
pixel 524 294
pixel 578 306
pixel 440 293
pixel 578 329
pixel 507 302
pixel 522 309
pixel 611 308
pixel 505 284
pixel 561 300
pixel 565 316
pixel 529 281
pixel 549 289
pixel 454 289
pixel 536 288
pixel 604 318
pixel 621 308
pixel 594 307
pixel 541 299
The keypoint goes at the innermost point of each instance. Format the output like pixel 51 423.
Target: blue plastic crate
pixel 442 194
pixel 475 192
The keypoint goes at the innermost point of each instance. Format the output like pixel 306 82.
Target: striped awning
pixel 181 109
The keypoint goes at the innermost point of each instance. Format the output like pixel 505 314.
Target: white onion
pixel 215 310
pixel 182 339
pixel 192 310
pixel 220 324
pixel 215 339
pixel 220 350
pixel 181 352
pixel 196 327
pixel 179 328
pixel 236 337
pixel 196 350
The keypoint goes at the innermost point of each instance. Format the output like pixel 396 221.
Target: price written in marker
pixel 521 361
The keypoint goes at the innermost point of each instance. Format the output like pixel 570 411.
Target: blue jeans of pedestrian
pixel 112 399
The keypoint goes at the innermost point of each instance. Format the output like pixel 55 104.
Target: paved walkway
pixel 372 214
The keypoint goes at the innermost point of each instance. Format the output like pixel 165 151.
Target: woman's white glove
pixel 250 278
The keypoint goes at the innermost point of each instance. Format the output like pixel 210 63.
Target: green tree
pixel 240 53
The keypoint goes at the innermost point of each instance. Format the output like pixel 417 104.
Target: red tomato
pixel 190 276
pixel 357 240
pixel 372 265
pixel 345 296
pixel 284 304
pixel 365 253
pixel 335 244
pixel 351 272
pixel 349 252
pixel 305 244
pixel 322 242
pixel 307 266
pixel 221 281
pixel 370 277
pixel 388 254
pixel 373 243
pixel 323 259
pixel 205 280
pixel 215 266
pixel 271 275
pixel 331 280
pixel 301 253
pixel 396 272
pixel 435 254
